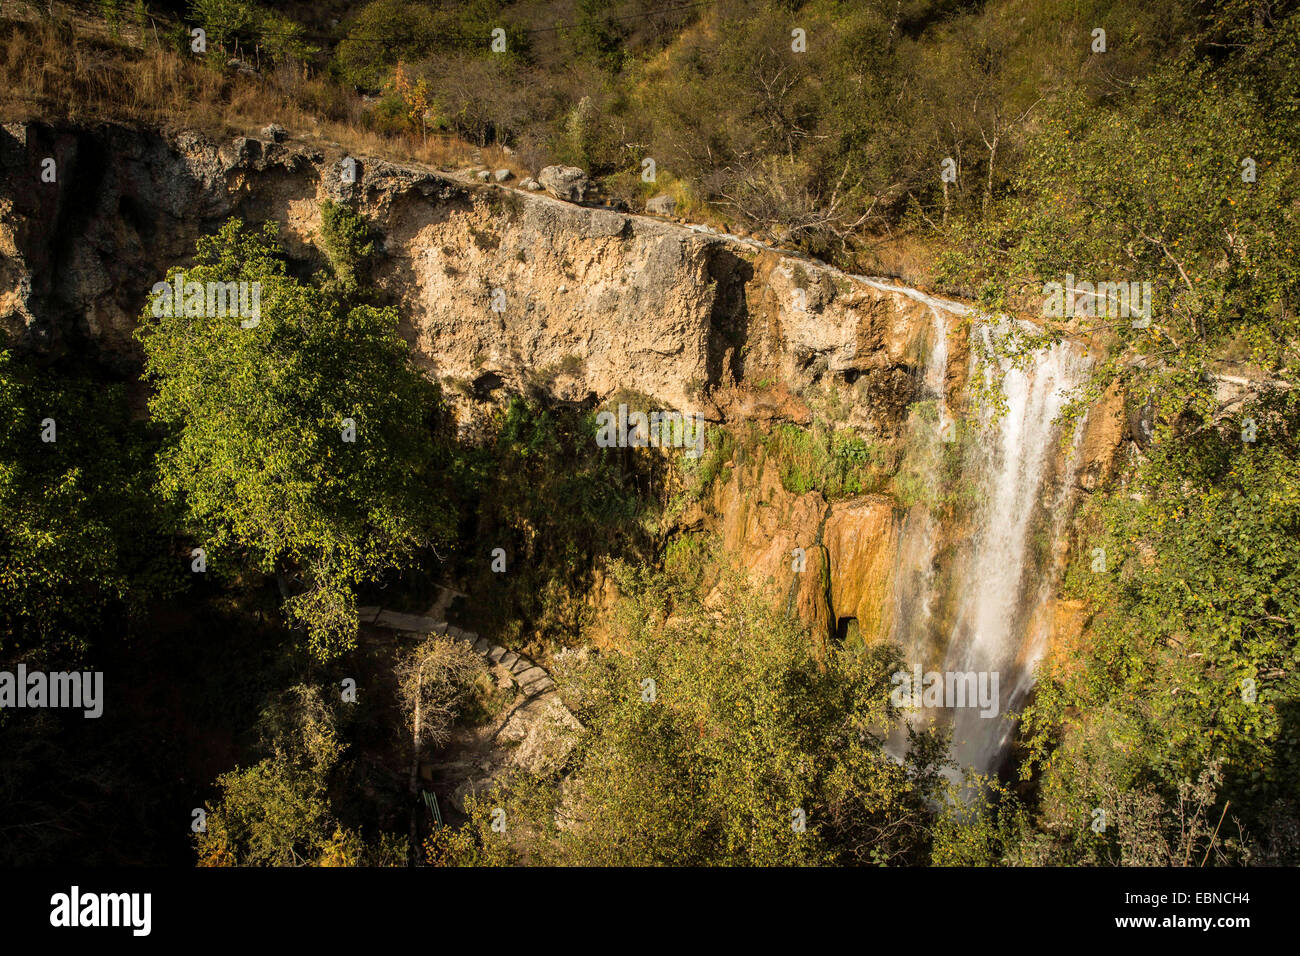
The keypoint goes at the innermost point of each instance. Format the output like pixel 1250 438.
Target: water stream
pixel 971 585
pixel 1007 572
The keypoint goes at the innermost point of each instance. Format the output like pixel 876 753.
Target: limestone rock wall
pixel 849 548
pixel 497 286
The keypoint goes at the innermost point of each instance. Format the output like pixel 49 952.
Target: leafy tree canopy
pixel 301 444
pixel 82 540
pixel 747 749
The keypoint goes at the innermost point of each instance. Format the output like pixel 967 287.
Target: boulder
pixel 565 182
pixel 1142 423
pixel 530 183
pixel 275 133
pixel 501 175
pixel 483 175
pixel 661 205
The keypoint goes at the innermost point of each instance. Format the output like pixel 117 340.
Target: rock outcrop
pixel 503 289
pixel 495 284
pixel 661 205
pixel 830 564
pixel 565 182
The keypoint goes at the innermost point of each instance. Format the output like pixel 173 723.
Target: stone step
pixel 405 622
pixel 540 685
pixel 531 679
pixel 533 673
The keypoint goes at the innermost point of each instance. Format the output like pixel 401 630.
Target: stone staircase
pixel 531 679
pixel 532 734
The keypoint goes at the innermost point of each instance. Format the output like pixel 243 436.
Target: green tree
pixel 1190 661
pixel 597 36
pixel 301 443
pixel 345 240
pixel 83 542
pixel 111 10
pixel 277 812
pixel 383 34
pixel 746 748
pixel 223 22
pixel 386 32
pixel 283 39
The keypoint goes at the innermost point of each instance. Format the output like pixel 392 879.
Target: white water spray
pixel 1008 569
pixel 981 613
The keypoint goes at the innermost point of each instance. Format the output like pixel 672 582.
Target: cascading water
pixel 1004 578
pixel 979 613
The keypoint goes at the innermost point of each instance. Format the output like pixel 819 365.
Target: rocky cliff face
pixel 501 289
pixel 831 564
pixel 497 286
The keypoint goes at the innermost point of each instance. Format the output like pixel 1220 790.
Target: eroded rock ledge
pixel 592 301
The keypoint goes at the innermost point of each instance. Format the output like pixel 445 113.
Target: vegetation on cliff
pixel 293 465
pixel 298 440
pixel 717 738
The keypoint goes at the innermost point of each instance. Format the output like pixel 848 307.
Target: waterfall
pixel 1004 579
pixel 980 612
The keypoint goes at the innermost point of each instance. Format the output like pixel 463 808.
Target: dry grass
pixel 52 70
pixel 70 67
pixel 900 255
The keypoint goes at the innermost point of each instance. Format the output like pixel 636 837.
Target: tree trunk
pixel 414 782
pixel 988 183
pixel 415 747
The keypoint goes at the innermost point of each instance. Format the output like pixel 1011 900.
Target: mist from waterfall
pixel 1003 582
pixel 981 611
